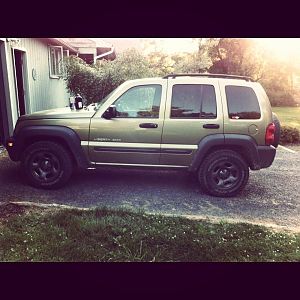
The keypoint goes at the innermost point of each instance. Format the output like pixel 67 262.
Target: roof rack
pixel 208 75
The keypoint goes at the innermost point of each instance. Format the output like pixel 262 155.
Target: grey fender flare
pixel 44 132
pixel 246 143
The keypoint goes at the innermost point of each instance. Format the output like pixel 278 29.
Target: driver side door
pixel 133 137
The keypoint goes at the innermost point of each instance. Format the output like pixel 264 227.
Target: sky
pixel 282 48
pixel 167 45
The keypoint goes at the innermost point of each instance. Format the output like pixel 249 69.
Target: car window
pixel 196 101
pixel 242 102
pixel 139 102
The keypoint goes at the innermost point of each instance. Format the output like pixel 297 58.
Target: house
pixel 31 75
pixel 91 49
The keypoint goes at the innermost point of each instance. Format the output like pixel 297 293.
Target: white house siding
pixel 44 92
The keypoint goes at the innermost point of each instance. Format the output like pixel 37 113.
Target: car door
pixel 133 137
pixel 193 111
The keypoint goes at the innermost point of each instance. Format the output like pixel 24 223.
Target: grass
pixel 121 235
pixel 288 116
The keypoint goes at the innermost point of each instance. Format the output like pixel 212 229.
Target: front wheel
pixel 47 165
pixel 223 173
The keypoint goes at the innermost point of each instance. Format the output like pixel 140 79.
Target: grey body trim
pixel 141 165
pixel 256 156
pixel 66 134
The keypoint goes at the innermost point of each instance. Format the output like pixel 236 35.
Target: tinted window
pixel 242 102
pixel 193 101
pixel 139 102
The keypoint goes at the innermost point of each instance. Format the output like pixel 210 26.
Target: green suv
pixel 215 126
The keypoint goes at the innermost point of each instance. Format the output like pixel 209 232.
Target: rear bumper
pixel 266 155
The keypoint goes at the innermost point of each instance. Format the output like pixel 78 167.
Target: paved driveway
pixel 270 197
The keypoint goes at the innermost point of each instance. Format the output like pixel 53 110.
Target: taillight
pixel 270 134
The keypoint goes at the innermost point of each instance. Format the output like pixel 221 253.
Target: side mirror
pixel 111 112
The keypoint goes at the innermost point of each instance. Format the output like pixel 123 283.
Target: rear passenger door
pixel 193 111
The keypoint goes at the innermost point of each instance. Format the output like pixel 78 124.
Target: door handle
pixel 211 126
pixel 148 125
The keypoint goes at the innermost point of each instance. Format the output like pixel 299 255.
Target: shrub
pixel 94 82
pixel 289 134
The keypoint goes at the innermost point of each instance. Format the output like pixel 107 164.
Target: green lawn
pixel 289 116
pixel 119 235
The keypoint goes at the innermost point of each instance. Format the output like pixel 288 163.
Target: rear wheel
pixel 223 173
pixel 47 165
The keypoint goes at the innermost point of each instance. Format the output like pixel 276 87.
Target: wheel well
pixel 240 150
pixel 58 140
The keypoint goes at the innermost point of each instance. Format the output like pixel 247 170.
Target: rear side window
pixel 193 101
pixel 242 102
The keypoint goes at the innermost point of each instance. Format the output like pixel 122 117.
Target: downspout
pixel 104 54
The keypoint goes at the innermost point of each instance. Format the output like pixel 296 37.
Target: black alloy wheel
pixel 44 166
pixel 223 173
pixel 47 165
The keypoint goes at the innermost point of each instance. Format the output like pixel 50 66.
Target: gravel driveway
pixel 271 196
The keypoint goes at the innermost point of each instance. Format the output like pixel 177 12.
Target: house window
pixel 55 61
pixel 66 53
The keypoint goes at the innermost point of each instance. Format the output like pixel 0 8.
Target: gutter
pixel 104 54
pixel 64 44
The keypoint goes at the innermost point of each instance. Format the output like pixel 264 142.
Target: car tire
pixel 277 130
pixel 46 165
pixel 223 173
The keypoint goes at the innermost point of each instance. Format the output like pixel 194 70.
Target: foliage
pixel 164 64
pixel 244 57
pixel 161 64
pixel 276 81
pixel 121 235
pixel 94 82
pixel 235 56
pixel 289 116
pixel 215 55
pixel 289 135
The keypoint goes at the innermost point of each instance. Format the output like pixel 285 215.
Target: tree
pixel 236 56
pixel 244 57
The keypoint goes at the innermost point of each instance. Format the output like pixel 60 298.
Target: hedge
pixel 289 134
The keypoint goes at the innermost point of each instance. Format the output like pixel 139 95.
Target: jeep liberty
pixel 215 126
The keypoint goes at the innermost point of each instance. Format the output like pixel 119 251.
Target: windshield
pixel 101 102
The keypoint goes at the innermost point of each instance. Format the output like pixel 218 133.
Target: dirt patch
pixel 9 209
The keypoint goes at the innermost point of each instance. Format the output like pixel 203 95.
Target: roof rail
pixel 208 75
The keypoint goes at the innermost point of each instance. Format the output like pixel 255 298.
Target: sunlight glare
pixel 281 48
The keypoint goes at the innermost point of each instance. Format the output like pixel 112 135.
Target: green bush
pixel 94 82
pixel 289 135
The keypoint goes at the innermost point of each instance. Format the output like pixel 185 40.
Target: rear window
pixel 193 101
pixel 242 102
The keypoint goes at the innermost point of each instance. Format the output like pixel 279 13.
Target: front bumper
pixel 11 148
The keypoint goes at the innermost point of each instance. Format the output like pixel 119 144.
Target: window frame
pixel 201 104
pixel 58 65
pixel 139 86
pixel 227 104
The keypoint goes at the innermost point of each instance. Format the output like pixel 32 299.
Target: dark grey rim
pixel 45 166
pixel 224 174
